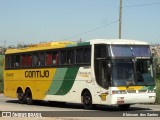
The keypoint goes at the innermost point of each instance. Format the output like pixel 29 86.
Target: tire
pixel 87 101
pixel 28 97
pixel 124 107
pixel 21 97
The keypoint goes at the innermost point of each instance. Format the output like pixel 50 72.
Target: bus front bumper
pixel 133 98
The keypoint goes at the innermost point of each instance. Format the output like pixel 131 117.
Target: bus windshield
pixel 125 74
pixel 130 50
pixel 144 72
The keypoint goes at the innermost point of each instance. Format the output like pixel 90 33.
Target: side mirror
pixel 151 60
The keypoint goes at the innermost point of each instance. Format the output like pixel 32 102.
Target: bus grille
pixel 131 91
pixel 142 91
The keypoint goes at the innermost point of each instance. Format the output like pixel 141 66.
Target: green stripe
pixel 83 43
pixel 78 44
pixel 148 88
pixel 151 87
pixel 57 80
pixel 68 81
pixel 71 45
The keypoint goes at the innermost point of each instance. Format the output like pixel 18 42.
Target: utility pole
pixel 120 19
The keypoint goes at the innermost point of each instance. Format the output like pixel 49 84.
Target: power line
pixel 136 5
pixel 91 30
pixel 139 5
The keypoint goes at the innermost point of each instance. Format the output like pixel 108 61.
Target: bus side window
pixel 12 61
pixel 49 57
pixel 29 59
pixel 15 60
pixel 55 58
pixel 23 60
pixel 70 57
pixel 87 55
pixel 26 60
pixel 100 51
pixel 7 62
pixel 17 63
pixel 35 59
pixel 79 56
pixel 83 55
pixel 41 59
pixel 63 57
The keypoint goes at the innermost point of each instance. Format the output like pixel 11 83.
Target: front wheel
pixel 87 101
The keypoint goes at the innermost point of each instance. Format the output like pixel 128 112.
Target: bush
pixel 1 86
pixel 157 91
pixel 157 66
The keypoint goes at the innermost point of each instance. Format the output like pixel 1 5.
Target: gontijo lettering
pixel 37 74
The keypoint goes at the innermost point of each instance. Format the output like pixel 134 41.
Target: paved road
pixel 75 110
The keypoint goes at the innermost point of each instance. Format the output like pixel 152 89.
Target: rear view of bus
pixel 125 67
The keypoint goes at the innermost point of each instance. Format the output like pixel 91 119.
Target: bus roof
pixel 118 42
pixel 63 44
pixel 40 46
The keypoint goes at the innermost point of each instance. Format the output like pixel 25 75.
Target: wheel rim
pixel 29 100
pixel 20 96
pixel 28 97
pixel 87 100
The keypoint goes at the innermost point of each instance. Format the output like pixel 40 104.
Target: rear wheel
pixel 21 97
pixel 124 107
pixel 28 97
pixel 87 101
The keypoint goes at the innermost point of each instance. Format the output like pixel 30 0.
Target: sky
pixel 34 21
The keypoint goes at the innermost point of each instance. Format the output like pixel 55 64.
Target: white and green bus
pixel 100 71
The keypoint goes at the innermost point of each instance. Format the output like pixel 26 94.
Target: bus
pixel 99 71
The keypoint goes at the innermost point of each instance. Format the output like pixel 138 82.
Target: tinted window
pixel 141 51
pixel 49 58
pixel 35 59
pixel 63 59
pixel 70 56
pixel 125 51
pixel 7 61
pixel 100 51
pixel 79 56
pixel 83 55
pixel 55 58
pixel 121 51
pixel 87 55
pixel 41 59
pixel 26 60
pixel 15 61
pixel 67 57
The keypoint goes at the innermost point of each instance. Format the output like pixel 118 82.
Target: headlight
pixel 151 91
pixel 119 92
